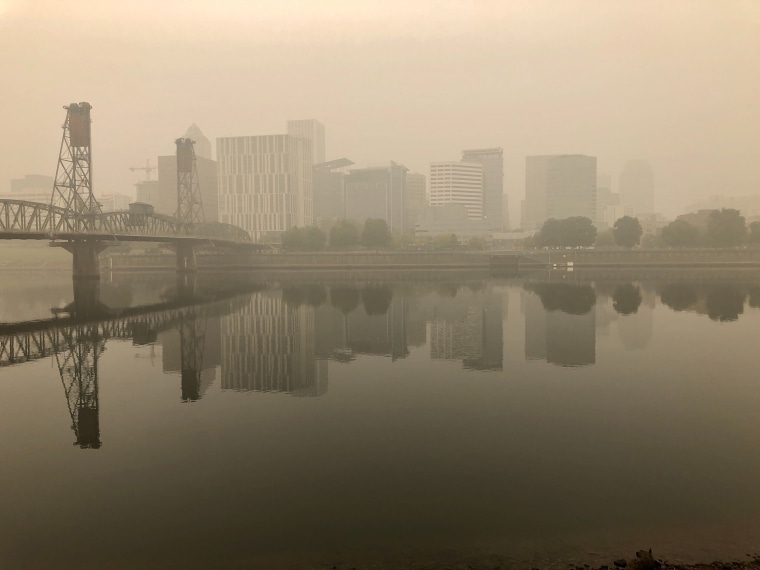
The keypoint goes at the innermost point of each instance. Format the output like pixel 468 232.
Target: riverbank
pixel 342 261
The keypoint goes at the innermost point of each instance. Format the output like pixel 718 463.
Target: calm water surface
pixel 253 422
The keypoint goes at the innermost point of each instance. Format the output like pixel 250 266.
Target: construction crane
pixel 147 168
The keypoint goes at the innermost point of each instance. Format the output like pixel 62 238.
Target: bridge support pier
pixel 86 264
pixel 186 262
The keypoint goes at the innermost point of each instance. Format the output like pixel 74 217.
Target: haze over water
pixel 543 417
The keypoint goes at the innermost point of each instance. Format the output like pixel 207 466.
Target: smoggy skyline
pixel 675 83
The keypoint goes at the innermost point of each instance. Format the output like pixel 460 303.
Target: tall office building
pixel 378 192
pixel 202 144
pixel 329 181
pixel 454 182
pixel 495 204
pixel 637 187
pixel 314 132
pixel 265 184
pixel 416 196
pixel 559 186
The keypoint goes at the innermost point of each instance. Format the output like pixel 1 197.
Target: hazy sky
pixel 676 82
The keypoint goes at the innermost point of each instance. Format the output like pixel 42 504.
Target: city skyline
pixel 636 100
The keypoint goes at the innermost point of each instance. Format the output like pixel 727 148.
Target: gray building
pixel 559 186
pixel 31 188
pixel 416 197
pixel 378 192
pixel 202 144
pixel 637 187
pixel 329 180
pixel 312 131
pixel 495 203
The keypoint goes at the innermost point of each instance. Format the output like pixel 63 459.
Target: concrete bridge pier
pixel 186 262
pixel 86 263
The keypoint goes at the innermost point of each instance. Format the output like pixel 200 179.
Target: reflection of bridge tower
pixel 78 367
pixel 192 338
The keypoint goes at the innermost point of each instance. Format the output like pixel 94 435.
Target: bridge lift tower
pixel 72 190
pixel 189 202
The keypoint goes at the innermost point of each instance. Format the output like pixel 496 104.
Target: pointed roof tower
pixel 202 144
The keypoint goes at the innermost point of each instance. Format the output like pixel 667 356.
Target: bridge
pixel 75 221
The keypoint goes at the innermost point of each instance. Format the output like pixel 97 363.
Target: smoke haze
pixel 676 83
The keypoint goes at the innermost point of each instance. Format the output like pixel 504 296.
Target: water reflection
pixel 723 302
pixel 279 337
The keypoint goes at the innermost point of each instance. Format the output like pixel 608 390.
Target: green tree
pixel 754 232
pixel 344 234
pixel 446 241
pixel 680 233
pixel 313 239
pixel 627 231
pixel 605 238
pixel 726 228
pixel 476 243
pixel 376 233
pixel 292 239
pixel 577 231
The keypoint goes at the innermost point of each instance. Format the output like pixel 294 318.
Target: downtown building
pixel 416 196
pixel 495 204
pixel 312 131
pixel 265 183
pixel 559 186
pixel 636 185
pixel 453 182
pixel 378 192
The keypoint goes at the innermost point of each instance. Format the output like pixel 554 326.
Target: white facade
pixel 265 184
pixel 314 132
pixel 458 183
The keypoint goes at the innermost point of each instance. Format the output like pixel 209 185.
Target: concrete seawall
pixel 421 261
pixel 323 261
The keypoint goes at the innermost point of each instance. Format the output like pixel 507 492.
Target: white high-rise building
pixel 495 203
pixel 454 182
pixel 265 183
pixel 313 131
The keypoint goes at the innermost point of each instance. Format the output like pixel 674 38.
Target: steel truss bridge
pixel 75 220
pixel 32 220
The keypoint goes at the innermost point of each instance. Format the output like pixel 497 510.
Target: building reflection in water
pixel 268 345
pixel 469 328
pixel 560 323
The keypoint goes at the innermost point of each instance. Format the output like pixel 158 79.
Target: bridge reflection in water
pixel 76 337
